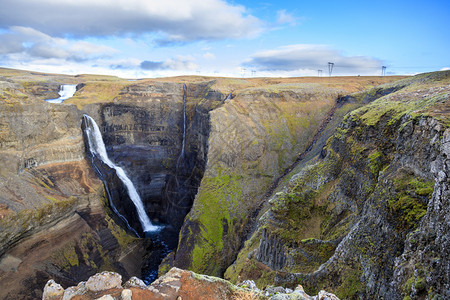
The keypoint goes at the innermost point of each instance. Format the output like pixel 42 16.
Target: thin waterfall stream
pixel 183 144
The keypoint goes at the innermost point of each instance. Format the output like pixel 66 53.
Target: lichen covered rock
pixel 175 285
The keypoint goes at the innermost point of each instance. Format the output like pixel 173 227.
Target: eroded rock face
pixel 367 220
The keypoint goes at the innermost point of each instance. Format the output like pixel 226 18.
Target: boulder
pixel 104 281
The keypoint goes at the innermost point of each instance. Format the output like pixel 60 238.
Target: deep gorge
pixel 280 181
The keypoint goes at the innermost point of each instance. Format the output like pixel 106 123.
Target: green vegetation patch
pixel 414 103
pixel 310 254
pixel 66 257
pixel 123 238
pixel 409 203
pixel 303 208
pixel 218 205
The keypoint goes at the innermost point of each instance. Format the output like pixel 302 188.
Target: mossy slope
pixel 340 223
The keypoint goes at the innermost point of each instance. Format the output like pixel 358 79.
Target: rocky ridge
pixel 176 284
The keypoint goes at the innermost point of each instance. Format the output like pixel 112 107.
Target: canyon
pixel 337 184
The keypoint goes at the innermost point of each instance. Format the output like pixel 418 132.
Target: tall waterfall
pixel 184 119
pixel 183 144
pixel 98 149
pixel 65 92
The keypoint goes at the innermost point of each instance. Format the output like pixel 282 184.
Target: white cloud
pixel 179 63
pixel 284 17
pixel 209 56
pixel 312 57
pixel 174 20
pixel 30 44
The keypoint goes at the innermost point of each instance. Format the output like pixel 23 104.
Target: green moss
pixel 66 257
pixel 217 205
pixel 309 255
pixel 411 101
pixel 29 218
pixel 376 162
pixel 71 256
pixel 122 237
pixel 351 285
pixel 409 204
pixel 407 287
pixel 303 208
pixel 420 284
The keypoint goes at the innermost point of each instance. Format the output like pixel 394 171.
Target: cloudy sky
pixel 154 38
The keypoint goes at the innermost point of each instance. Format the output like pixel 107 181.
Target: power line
pixel 330 67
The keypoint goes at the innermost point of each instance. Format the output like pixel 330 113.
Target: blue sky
pixel 153 38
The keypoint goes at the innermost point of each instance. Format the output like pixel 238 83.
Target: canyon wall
pixel 253 138
pixel 366 218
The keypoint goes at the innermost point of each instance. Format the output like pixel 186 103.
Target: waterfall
pixel 184 120
pixel 65 92
pixel 98 149
pixel 183 144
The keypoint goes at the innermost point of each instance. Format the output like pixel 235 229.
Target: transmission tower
pixel 319 73
pixel 383 70
pixel 330 67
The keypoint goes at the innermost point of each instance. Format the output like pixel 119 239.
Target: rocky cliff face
pixel 52 218
pixel 253 138
pixel 368 218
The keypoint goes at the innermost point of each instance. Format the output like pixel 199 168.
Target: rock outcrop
pixel 176 284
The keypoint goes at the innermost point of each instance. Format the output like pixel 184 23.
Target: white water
pixel 65 92
pixel 97 147
pixel 184 120
pixel 184 128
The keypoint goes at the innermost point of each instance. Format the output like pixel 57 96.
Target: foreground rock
pixel 176 284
